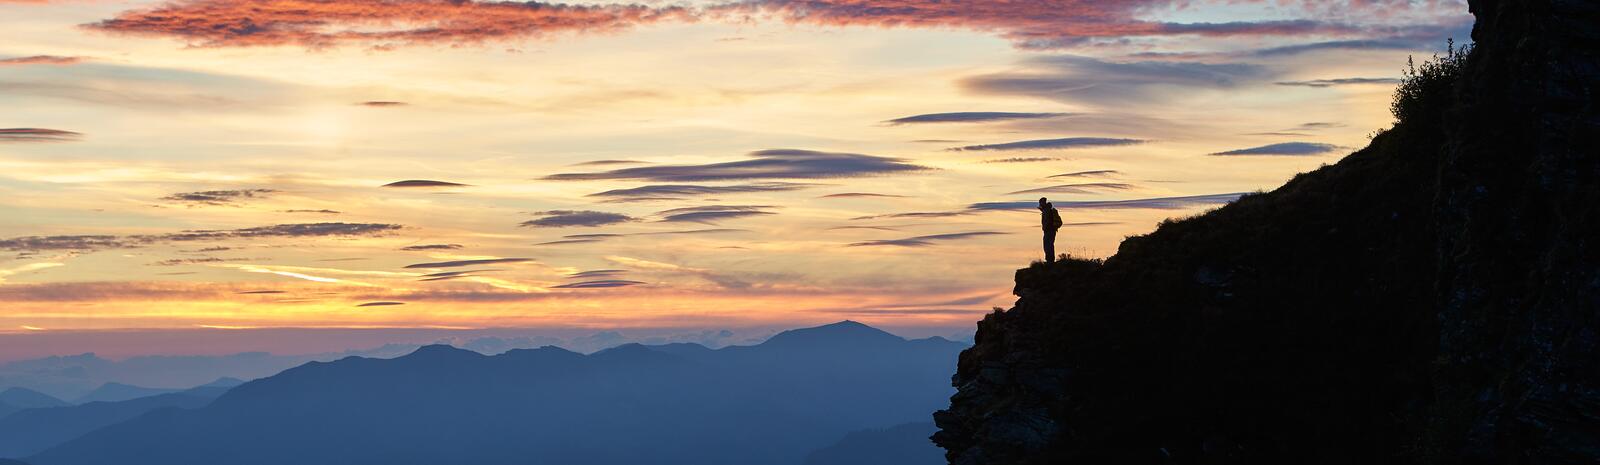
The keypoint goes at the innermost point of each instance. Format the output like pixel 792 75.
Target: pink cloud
pixel 386 24
pixel 381 23
pixel 40 60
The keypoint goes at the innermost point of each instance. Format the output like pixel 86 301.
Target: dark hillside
pixel 1431 298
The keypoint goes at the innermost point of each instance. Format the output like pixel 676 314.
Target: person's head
pixel 1044 203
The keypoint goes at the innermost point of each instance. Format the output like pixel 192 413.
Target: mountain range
pixel 772 403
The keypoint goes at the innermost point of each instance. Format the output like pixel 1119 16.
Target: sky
pixel 213 167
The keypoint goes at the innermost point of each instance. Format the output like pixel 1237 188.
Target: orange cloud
pixel 382 23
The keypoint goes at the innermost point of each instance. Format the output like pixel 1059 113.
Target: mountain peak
pixel 845 333
pixel 437 351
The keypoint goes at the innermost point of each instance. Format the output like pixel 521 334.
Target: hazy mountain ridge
pixel 30 431
pixel 769 403
pixel 1430 299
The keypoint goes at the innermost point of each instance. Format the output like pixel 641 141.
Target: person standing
pixel 1050 220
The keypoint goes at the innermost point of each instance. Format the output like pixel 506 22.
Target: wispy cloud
pixel 474 262
pixel 765 164
pixel 1063 143
pixel 1022 160
pixel 598 284
pixel 1283 149
pixel 40 60
pixel 1039 24
pixel 1340 82
pixel 576 218
pixel 711 214
pixel 380 304
pixel 421 247
pixel 1159 203
pixel 91 242
pixel 424 183
pixel 382 103
pixel 1114 84
pixel 923 241
pixel 332 23
pixel 970 117
pixel 222 197
pixel 23 135
pixel 660 191
pixel 857 195
pixel 31 267
pixel 1083 188
pixel 1086 174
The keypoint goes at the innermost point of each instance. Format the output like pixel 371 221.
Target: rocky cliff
pixel 1434 298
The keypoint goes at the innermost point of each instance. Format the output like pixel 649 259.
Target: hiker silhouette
pixel 1050 220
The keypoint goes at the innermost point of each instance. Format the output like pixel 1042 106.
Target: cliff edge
pixel 1433 298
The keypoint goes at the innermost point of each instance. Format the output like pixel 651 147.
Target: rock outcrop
pixel 1433 298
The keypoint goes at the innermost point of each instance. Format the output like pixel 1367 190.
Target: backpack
pixel 1055 218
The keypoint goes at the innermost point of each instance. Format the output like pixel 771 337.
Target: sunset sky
pixel 219 165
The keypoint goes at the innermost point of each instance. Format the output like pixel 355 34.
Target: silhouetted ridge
pixel 844 334
pixel 627 405
pixel 1430 299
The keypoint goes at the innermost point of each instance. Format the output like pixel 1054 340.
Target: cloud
pixel 855 195
pixel 711 214
pixel 1022 160
pixel 595 274
pixel 590 238
pixel 196 261
pixel 922 241
pixel 1087 174
pixel 461 263
pixel 1283 149
pixel 40 60
pixel 379 23
pixel 423 183
pixel 912 215
pixel 765 164
pixel 579 218
pixel 609 163
pixel 1038 24
pixel 323 211
pixel 31 267
pixel 604 283
pixel 1064 143
pixel 1160 203
pixel 224 197
pixel 382 103
pixel 1390 43
pixel 664 191
pixel 380 304
pixel 970 117
pixel 21 135
pixel 414 248
pixel 93 242
pixel 1113 84
pixel 1340 82
pixel 1085 188
pixel 259 292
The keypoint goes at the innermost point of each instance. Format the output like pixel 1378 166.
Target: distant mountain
pixel 906 444
pixel 17 399
pixel 771 403
pixel 115 392
pixel 28 398
pixel 72 377
pixel 33 430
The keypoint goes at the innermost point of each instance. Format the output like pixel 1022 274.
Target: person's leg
pixel 1049 246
